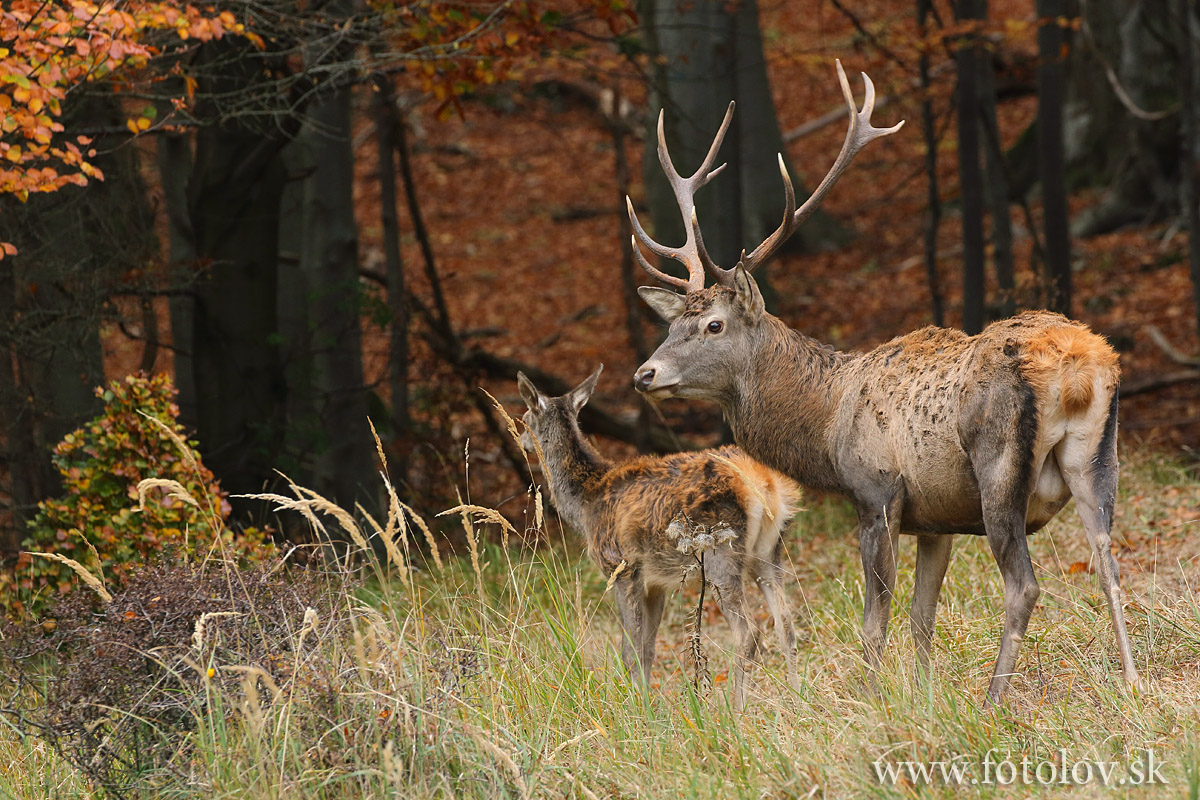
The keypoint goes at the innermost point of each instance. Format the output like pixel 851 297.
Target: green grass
pixel 506 682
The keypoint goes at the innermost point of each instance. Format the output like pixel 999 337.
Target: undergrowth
pixel 498 676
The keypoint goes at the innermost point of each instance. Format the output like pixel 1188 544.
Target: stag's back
pixel 914 405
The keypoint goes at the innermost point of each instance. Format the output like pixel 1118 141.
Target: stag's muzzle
pixel 648 380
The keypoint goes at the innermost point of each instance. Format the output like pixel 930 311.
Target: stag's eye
pixel 716 326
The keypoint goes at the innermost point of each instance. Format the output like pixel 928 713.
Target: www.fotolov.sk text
pixel 993 769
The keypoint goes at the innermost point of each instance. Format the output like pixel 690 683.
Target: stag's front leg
pixel 933 556
pixel 878 532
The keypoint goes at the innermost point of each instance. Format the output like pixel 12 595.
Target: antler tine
pixel 859 133
pixel 692 253
pixel 671 280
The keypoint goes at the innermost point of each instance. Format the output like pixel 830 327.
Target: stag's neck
pixel 783 403
pixel 576 469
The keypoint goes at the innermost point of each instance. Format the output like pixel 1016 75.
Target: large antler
pixel 858 135
pixel 692 253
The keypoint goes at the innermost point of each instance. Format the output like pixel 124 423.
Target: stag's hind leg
pixel 1000 438
pixel 1090 470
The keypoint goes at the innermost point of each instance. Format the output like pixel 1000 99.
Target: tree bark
pixel 1051 81
pixel 970 174
pixel 344 462
pixel 933 218
pixel 1187 146
pixel 1120 133
pixel 385 113
pixel 997 187
pixel 174 153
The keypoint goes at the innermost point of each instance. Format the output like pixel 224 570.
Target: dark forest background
pixel 351 221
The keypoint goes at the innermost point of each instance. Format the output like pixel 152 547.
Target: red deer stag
pixel 654 515
pixel 932 434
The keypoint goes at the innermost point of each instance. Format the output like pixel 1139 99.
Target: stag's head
pixel 713 328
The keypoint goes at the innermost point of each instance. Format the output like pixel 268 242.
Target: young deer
pixel 652 514
pixel 932 434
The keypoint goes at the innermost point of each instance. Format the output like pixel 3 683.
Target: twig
pixel 1176 355
pixel 1156 382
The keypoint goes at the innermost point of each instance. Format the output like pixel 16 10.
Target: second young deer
pixel 654 514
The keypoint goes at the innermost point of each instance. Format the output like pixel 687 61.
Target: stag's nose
pixel 643 379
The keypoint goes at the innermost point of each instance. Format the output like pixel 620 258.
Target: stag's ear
pixel 666 304
pixel 529 393
pixel 749 299
pixel 580 394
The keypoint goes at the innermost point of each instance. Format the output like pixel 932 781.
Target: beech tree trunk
pixel 1051 83
pixel 344 460
pixel 970 174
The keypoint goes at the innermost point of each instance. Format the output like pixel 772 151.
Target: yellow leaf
pixel 143 123
pixel 131 125
pixel 511 38
pixel 14 153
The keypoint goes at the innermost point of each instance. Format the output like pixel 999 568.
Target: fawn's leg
pixel 726 579
pixel 652 611
pixel 770 581
pixel 631 607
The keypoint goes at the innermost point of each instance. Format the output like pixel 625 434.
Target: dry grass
pixel 499 677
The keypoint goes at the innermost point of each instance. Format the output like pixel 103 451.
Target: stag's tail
pixel 1072 363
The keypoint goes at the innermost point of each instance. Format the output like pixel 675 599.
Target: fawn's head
pixel 711 327
pixel 553 421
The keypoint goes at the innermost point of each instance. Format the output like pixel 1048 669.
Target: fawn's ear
pixel 529 393
pixel 579 395
pixel 666 304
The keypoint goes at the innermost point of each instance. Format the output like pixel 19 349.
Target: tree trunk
pixel 1184 12
pixel 997 188
pixel 1051 82
pixel 175 169
pixel 344 462
pixel 385 114
pixel 703 55
pixel 970 174
pixel 23 460
pixel 234 204
pixel 1129 146
pixel 933 217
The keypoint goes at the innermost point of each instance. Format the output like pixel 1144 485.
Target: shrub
pixel 136 436
pixel 125 683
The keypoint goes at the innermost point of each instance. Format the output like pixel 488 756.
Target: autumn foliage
pixel 99 515
pixel 49 48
